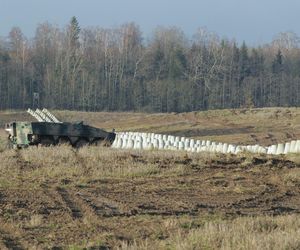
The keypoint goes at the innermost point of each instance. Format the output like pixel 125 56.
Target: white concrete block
pixel 264 150
pixel 293 147
pixel 273 149
pixel 231 149
pixel 280 149
pixel 120 143
pixel 219 148
pixel 187 143
pixel 287 148
pixel 161 144
pixel 298 146
pixel 138 145
pixel 225 148
pixel 155 143
pixel 238 149
pixel 130 144
pixel 255 149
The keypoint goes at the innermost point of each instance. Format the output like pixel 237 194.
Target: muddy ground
pixel 101 213
pixel 59 198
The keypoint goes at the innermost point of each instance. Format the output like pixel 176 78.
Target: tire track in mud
pixel 7 241
pixel 70 201
pixel 103 207
pixel 76 212
pixel 252 202
pixel 272 200
pixel 55 201
pixel 266 201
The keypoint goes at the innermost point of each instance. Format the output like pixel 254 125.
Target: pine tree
pixel 74 60
pixel 244 62
pixel 74 31
pixel 277 63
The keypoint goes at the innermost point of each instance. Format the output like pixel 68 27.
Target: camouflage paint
pixel 22 131
pixel 38 131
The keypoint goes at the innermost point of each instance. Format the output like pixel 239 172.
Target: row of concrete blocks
pixel 138 141
pixel 284 148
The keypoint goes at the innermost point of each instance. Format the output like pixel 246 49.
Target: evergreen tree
pixel 73 63
pixel 244 62
pixel 277 63
pixel 74 31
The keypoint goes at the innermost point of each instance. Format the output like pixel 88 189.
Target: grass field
pixel 99 198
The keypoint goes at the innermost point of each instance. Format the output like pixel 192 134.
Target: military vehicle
pixel 50 131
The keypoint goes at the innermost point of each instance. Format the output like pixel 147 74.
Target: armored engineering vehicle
pixel 24 134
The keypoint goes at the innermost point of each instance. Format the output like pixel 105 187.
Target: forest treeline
pixel 117 69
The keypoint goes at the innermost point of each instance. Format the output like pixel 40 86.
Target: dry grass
pixel 63 163
pixel 294 158
pixel 3 141
pixel 265 233
pixel 117 173
pixel 36 220
pixel 42 164
pixel 35 215
pixel 293 177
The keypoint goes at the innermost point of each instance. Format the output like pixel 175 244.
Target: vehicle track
pixel 56 202
pixel 265 202
pixel 102 207
pixel 76 212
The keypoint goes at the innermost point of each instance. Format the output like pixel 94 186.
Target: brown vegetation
pixel 60 197
pixel 101 198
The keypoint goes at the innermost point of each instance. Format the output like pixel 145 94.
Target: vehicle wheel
pixel 98 142
pixel 81 142
pixel 47 141
pixel 64 141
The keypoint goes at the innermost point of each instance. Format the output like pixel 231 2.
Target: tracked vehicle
pixel 50 131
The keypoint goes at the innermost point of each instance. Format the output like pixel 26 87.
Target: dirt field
pixel 97 198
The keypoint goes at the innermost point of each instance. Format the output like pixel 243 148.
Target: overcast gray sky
pixel 255 21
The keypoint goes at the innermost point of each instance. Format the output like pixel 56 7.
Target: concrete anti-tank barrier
pixel 138 141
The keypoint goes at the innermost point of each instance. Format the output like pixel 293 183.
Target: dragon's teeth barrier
pixel 138 141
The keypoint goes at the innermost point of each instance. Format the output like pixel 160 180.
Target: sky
pixel 254 21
